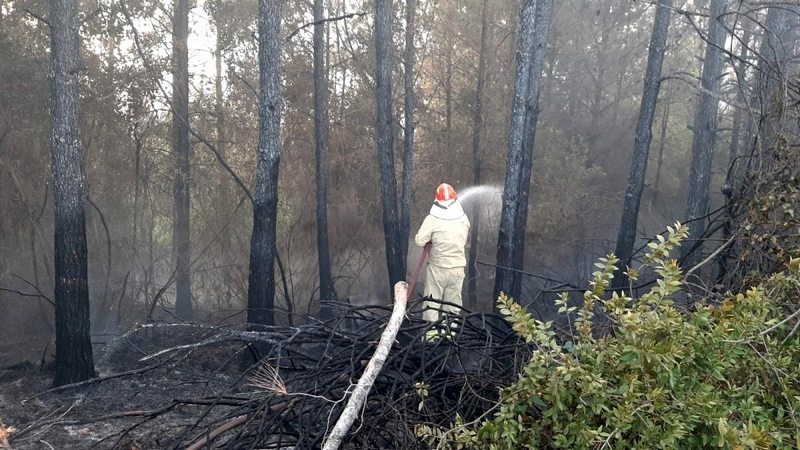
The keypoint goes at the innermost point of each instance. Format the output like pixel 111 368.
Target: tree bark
pixel 383 97
pixel 740 68
pixel 180 151
pixel 775 53
pixel 532 32
pixel 448 98
pixel 542 19
pixel 662 143
pixel 263 247
pixel 74 361
pixel 408 135
pixel 704 133
pixel 326 289
pixel 506 239
pixel 477 158
pixel 641 143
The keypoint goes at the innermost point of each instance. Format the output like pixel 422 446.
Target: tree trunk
pixel 704 134
pixel 74 360
pixel 408 136
pixel 777 47
pixel 263 248
pixel 506 239
pixel 326 290
pixel 137 165
pixel 180 151
pixel 383 94
pixel 219 113
pixel 448 98
pixel 542 20
pixel 740 69
pixel 477 158
pixel 662 143
pixel 641 142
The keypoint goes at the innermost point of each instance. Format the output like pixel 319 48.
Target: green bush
pixel 723 376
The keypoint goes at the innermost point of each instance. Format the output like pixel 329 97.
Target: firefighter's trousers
pixel 442 284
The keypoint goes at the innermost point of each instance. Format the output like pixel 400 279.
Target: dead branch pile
pixel 301 382
pixel 293 382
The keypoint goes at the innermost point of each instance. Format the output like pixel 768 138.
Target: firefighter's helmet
pixel 445 192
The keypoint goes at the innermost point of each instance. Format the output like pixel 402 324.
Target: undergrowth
pixel 723 376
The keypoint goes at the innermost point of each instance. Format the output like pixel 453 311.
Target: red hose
pixel 422 258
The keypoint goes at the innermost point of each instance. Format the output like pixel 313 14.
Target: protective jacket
pixel 447 228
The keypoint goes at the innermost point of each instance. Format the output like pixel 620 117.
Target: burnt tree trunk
pixel 477 158
pixel 519 135
pixel 180 151
pixel 408 135
pixel 263 246
pixel 704 134
pixel 74 360
pixel 641 143
pixel 383 100
pixel 542 18
pixel 326 291
pixel 507 237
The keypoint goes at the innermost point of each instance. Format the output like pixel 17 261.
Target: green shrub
pixel 722 376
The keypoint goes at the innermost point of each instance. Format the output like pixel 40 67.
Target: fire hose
pixel 422 258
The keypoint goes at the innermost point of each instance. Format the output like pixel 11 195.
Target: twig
pixel 99 379
pixel 777 325
pixel 35 287
pixel 227 336
pixel 319 22
pixel 37 16
pixel 91 15
pixel 108 250
pixel 709 258
pixel 25 294
pixel 359 395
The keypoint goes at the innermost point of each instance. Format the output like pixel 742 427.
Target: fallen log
pixel 359 395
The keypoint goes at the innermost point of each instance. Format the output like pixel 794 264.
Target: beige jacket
pixel 447 228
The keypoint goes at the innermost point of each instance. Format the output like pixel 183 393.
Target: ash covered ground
pixel 183 385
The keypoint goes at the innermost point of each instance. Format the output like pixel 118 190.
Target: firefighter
pixel 446 228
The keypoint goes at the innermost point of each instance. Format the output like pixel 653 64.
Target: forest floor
pixel 140 410
pixel 167 385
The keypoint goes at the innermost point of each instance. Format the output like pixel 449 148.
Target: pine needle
pixel 266 377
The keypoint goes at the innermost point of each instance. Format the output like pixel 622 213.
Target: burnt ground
pixel 172 385
pixel 127 411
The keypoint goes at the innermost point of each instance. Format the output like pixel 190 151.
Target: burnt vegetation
pixel 205 204
pixel 172 385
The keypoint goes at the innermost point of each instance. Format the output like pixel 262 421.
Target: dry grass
pixel 266 377
pixel 5 432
